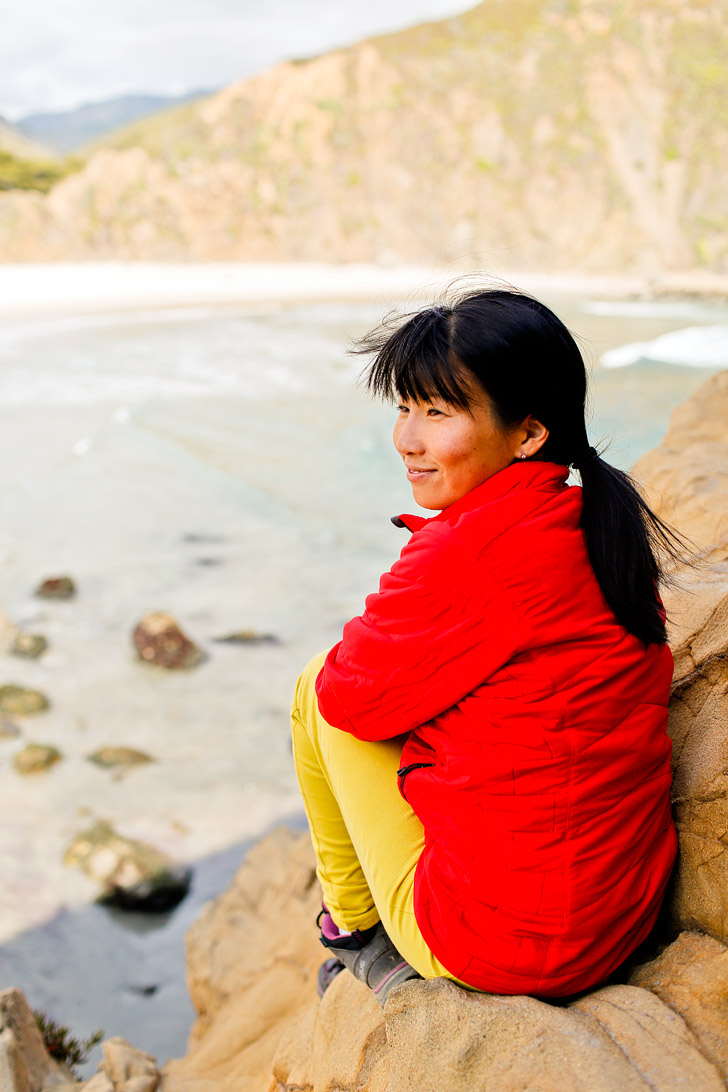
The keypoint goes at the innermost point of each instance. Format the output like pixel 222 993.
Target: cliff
pixel 584 135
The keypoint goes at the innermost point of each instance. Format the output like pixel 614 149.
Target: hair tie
pixel 587 456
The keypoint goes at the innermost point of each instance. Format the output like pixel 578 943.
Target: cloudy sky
pixel 57 54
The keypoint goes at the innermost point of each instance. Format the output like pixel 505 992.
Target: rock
pixel 128 1069
pixel 247 637
pixel 124 758
pixel 8 730
pixel 159 641
pixel 25 1065
pixel 134 876
pixel 686 480
pixel 30 645
pixel 18 701
pixel 56 587
pixel 98 1083
pixel 252 960
pixel 691 976
pixel 36 758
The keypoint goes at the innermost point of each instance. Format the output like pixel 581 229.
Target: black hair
pixel 514 348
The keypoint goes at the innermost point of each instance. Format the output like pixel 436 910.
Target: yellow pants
pixel 366 838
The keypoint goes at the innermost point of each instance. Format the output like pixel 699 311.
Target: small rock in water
pixel 8 730
pixel 20 702
pixel 159 641
pixel 30 645
pixel 36 758
pixel 56 587
pixel 110 758
pixel 247 637
pixel 134 876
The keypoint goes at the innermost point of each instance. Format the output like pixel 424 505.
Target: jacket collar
pixel 546 477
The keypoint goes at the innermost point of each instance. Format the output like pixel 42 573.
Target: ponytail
pixel 625 541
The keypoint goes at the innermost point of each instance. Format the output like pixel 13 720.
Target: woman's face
pixel 449 451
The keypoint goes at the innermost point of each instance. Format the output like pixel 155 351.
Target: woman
pixel 483 756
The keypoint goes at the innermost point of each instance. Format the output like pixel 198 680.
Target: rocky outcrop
pixel 686 478
pixel 26 1065
pixel 252 961
pixel 509 130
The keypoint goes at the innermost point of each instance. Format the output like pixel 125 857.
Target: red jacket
pixel 537 760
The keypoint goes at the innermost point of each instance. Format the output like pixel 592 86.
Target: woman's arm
pixel 438 627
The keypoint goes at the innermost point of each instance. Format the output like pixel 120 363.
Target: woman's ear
pixel 533 436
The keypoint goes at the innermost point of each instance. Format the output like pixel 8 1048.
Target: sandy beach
pixel 34 288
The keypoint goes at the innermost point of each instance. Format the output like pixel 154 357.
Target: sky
pixel 57 54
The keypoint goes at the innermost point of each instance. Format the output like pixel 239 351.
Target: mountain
pixel 69 130
pixel 545 134
pixel 17 144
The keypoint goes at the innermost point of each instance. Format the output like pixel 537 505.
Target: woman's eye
pixel 403 409
pixel 432 412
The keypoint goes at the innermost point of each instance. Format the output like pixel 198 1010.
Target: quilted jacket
pixel 536 758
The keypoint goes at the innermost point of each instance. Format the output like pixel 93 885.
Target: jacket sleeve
pixel 438 627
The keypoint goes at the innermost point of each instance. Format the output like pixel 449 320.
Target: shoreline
pixel 36 289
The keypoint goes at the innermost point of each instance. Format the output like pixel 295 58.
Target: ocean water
pixel 219 463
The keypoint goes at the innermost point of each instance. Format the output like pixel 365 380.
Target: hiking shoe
pixel 372 958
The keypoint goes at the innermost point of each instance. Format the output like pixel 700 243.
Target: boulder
pixel 18 701
pixel 686 481
pixel 119 758
pixel 159 641
pixel 134 876
pixel 36 758
pixel 56 587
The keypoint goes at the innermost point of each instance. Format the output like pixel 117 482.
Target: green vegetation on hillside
pixel 34 174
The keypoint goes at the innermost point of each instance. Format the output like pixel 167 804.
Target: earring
pixel 523 456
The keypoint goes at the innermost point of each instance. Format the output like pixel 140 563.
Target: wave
pixel 691 347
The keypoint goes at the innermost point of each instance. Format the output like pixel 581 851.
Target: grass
pixel 64 1047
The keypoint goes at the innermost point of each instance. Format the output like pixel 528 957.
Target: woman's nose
pixel 407 437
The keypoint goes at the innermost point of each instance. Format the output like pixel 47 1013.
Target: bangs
pixel 413 360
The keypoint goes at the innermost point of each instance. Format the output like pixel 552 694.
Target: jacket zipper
pixel 402 773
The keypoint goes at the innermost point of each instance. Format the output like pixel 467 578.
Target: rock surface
pixel 159 640
pixel 686 479
pixel 36 758
pixel 134 876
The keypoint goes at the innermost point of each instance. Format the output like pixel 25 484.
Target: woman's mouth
pixel 418 474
